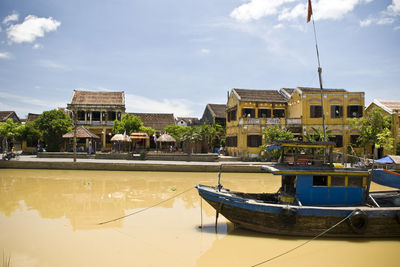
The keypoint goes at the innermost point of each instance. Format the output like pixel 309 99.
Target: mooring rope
pixel 152 206
pixel 308 241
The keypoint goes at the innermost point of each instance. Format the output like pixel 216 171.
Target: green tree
pixel 28 132
pixel 398 149
pixel 52 125
pixel 176 131
pixel 374 130
pixel 129 124
pixel 275 134
pixel 7 130
pixel 318 135
pixel 192 136
pixel 150 131
pixel 208 133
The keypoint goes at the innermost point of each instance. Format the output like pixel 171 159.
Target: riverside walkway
pixel 33 162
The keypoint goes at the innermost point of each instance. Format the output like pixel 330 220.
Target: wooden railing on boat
pixel 306 153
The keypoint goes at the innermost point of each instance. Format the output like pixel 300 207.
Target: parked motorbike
pixel 10 155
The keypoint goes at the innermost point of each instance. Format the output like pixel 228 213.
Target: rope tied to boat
pixel 308 241
pixel 147 208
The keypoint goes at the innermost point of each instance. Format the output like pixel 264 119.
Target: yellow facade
pixel 343 102
pixel 242 128
pixel 339 105
pixel 395 116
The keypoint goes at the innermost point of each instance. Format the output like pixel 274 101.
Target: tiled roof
pixel 317 90
pixel 32 117
pixel 287 92
pixel 157 121
pixel 218 110
pixel 97 98
pixel 390 104
pixel 189 120
pixel 4 115
pixel 81 132
pixel 260 95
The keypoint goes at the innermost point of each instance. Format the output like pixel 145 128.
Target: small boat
pixel 314 199
pixel 389 173
pixel 384 177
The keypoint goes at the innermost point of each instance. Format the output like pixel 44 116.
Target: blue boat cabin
pixel 328 189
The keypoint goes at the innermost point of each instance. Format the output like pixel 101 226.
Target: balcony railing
pixel 293 121
pixel 261 121
pixel 96 123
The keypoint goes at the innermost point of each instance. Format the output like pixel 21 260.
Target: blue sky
pixel 176 56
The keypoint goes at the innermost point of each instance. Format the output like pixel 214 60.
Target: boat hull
pixel 295 220
pixel 386 177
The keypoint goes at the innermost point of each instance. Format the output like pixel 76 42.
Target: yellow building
pixel 305 111
pixel 248 113
pixel 389 108
pixel 299 110
pixel 97 112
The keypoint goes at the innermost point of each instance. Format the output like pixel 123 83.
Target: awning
pixel 139 136
pixel 273 147
pixel 120 138
pixel 390 159
pixel 166 138
pixel 81 132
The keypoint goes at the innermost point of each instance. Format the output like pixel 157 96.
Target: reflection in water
pixel 50 218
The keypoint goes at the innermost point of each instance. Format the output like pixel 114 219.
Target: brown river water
pixel 51 218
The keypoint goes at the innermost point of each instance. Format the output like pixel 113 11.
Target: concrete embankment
pixel 32 162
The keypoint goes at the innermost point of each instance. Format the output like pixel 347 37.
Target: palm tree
pixel 192 136
pixel 318 135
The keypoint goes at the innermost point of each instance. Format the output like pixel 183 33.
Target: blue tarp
pixel 385 160
pixel 273 147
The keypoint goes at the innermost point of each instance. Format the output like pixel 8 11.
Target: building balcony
pixel 262 121
pixel 96 123
pixel 293 121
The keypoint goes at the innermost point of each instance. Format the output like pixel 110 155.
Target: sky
pixel 176 56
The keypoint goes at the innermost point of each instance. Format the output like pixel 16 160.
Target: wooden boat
pixel 386 171
pixel 312 199
pixel 384 177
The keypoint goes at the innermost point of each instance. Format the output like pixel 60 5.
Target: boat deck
pixel 376 199
pixel 385 198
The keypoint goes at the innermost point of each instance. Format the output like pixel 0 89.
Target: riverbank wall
pixel 129 165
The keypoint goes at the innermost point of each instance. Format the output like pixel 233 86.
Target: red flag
pixel 309 11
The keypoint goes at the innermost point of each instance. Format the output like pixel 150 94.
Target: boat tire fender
pixel 358 222
pixel 288 216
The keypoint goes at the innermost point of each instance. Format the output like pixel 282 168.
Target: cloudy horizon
pixel 178 56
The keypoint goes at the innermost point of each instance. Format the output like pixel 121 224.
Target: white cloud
pixel 385 21
pixel 31 28
pixel 286 10
pixel 5 55
pixel 257 9
pixel 333 9
pixel 179 107
pixel 366 22
pixel 385 17
pixel 31 101
pixel 394 8
pixel 13 17
pixel 50 64
pixel 37 46
pixel 205 51
pixel 299 10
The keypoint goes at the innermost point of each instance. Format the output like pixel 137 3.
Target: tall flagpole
pixel 311 16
